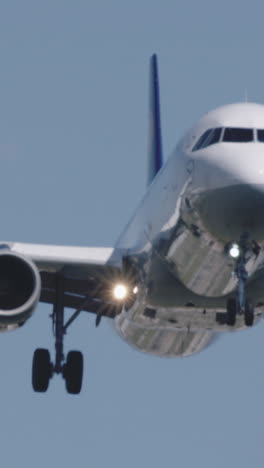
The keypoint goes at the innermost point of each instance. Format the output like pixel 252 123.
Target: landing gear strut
pixel 241 305
pixel 71 369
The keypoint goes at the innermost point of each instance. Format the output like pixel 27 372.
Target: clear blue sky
pixel 73 138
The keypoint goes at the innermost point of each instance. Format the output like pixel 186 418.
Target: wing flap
pixel 78 302
pixel 78 294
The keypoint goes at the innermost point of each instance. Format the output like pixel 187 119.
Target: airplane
pixel 188 266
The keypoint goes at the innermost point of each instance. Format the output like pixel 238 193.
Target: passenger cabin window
pixel 208 138
pixel 238 135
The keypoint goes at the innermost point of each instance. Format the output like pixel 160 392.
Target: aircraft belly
pixel 161 340
pixel 173 332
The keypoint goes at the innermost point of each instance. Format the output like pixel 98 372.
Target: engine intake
pixel 20 288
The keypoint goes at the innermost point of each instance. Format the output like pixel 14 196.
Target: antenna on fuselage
pixel 246 95
pixel 155 158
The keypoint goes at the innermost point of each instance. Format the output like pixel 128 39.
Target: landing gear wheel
pixel 249 313
pixel 41 370
pixel 231 310
pixel 73 372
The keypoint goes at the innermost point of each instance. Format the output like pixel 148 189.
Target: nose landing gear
pixel 249 313
pixel 231 311
pixel 240 304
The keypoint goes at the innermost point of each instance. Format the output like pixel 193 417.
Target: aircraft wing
pixel 83 273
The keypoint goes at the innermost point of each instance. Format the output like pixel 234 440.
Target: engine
pixel 20 288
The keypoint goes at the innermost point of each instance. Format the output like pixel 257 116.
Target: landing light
pixel 120 291
pixel 135 290
pixel 234 251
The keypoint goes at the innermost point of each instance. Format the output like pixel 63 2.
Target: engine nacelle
pixel 20 287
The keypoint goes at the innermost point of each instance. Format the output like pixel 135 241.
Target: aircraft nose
pixel 229 191
pixel 230 211
pixel 230 165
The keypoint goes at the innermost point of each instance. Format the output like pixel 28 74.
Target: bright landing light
pixel 234 251
pixel 120 291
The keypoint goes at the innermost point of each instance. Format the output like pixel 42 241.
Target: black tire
pixel 231 312
pixel 41 370
pixel 73 372
pixel 249 313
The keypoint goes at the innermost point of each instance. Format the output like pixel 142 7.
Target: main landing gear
pixel 240 304
pixel 71 369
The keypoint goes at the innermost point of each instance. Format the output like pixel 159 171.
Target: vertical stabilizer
pixel 155 141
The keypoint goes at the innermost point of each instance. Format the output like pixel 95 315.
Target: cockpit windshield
pixel 238 135
pixel 228 134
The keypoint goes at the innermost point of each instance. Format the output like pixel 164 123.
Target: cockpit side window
pixel 204 136
pixel 209 137
pixel 214 137
pixel 260 135
pixel 238 135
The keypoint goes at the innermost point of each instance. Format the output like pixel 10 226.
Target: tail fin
pixel 155 142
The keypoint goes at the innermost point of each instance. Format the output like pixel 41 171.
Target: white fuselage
pixel 199 202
